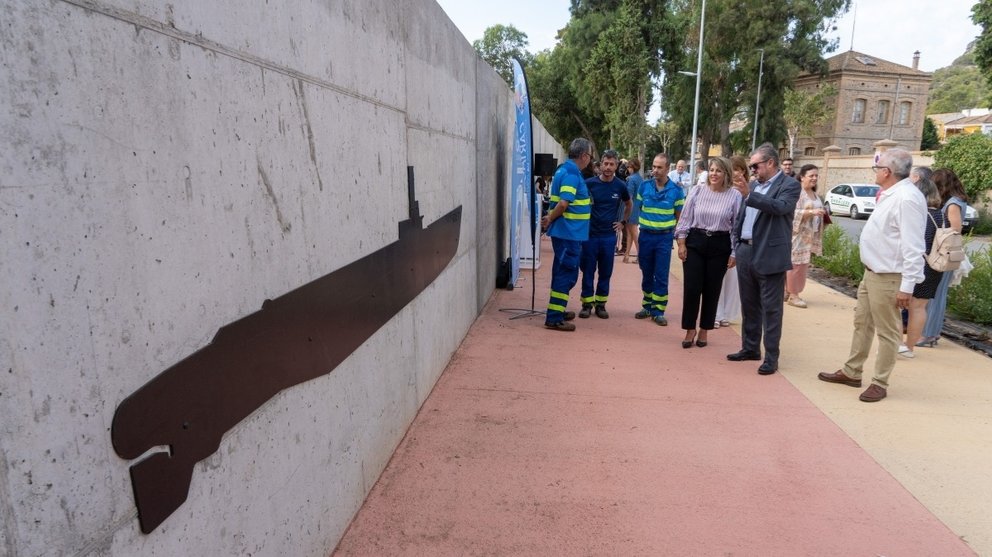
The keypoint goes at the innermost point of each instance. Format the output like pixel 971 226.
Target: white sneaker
pixel 905 352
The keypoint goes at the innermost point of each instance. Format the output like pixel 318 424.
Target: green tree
pixel 619 79
pixel 981 15
pixel 498 45
pixel 558 96
pixel 792 34
pixel 804 110
pixel 931 140
pixel 970 157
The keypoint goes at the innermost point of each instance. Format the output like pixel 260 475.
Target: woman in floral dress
pixel 807 234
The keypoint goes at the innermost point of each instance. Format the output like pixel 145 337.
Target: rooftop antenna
pixel 854 22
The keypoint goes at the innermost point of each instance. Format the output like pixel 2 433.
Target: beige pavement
pixel 934 431
pixel 612 440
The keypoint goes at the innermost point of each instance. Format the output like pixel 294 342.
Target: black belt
pixel 748 242
pixel 710 232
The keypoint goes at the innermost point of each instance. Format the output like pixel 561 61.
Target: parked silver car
pixel 851 199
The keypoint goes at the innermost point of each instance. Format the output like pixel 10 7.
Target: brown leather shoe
pixel 839 377
pixel 560 326
pixel 873 393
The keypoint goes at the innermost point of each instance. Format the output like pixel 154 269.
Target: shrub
pixel 970 157
pixel 984 224
pixel 972 299
pixel 841 257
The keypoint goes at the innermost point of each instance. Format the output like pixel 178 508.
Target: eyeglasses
pixel 877 168
pixel 754 167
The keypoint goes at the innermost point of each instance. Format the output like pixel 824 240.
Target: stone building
pixel 876 100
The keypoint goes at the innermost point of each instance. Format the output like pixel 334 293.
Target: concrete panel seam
pixel 7 521
pixel 427 129
pixel 206 44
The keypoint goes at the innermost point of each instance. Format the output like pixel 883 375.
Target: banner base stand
pixel 522 312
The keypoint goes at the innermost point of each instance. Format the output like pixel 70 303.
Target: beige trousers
pixel 876 312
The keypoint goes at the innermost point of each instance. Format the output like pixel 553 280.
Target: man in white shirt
pixel 701 174
pixel 892 247
pixel 681 176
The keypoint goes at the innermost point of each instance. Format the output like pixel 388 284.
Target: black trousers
pixel 702 277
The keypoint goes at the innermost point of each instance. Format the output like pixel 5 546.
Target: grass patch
pixel 972 299
pixel 841 257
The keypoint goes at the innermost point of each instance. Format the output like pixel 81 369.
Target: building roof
pixel 971 120
pixel 853 60
pixel 944 117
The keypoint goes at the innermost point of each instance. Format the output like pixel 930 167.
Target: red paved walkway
pixel 613 440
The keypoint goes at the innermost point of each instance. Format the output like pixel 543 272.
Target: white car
pixel 851 199
pixel 970 218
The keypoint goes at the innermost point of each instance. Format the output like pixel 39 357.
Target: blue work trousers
pixel 654 256
pixel 599 253
pixel 564 275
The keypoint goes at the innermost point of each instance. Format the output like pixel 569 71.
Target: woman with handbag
pixel 955 202
pixel 926 290
pixel 807 234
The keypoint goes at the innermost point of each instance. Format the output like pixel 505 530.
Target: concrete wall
pixel 166 167
pixel 844 169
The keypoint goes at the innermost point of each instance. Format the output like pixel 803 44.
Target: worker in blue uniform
pixel 567 223
pixel 610 202
pixel 660 201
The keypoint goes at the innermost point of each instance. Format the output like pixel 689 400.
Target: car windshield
pixel 865 191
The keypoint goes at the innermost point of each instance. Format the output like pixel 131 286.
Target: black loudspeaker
pixel 544 164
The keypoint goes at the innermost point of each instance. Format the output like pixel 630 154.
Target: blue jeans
pixel 597 252
pixel 936 307
pixel 654 257
pixel 564 275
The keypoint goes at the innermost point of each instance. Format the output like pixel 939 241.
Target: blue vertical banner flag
pixel 521 173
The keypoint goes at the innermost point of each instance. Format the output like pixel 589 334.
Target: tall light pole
pixel 757 101
pixel 695 110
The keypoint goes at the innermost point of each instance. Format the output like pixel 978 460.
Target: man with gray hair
pixel 567 223
pixel 764 254
pixel 681 176
pixel 892 246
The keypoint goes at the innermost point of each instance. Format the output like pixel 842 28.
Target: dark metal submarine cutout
pixel 299 336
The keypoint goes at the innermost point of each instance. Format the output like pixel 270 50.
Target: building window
pixel 904 110
pixel 883 112
pixel 859 111
pixel 810 151
pixel 854 151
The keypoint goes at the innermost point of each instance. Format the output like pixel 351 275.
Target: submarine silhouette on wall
pixel 294 338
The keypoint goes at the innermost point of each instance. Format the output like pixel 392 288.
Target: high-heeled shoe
pixel 928 342
pixel 701 343
pixel 688 343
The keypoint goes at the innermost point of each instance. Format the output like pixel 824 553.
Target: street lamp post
pixel 757 101
pixel 695 110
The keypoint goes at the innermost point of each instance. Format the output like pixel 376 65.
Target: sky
pixel 939 29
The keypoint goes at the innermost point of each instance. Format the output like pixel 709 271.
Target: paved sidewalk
pixel 613 440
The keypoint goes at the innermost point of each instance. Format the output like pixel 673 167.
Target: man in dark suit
pixel 764 254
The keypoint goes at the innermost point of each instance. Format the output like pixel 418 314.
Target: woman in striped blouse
pixel 704 246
